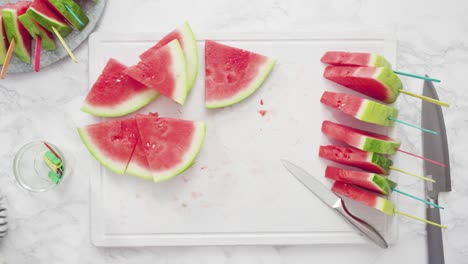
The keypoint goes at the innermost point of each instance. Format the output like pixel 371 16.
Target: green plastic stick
pixel 417 76
pixel 413 126
pixel 417 198
pixel 74 15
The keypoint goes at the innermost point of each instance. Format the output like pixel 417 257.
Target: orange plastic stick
pixel 6 62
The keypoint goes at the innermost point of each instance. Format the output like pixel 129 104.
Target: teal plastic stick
pixel 417 198
pixel 73 14
pixel 413 126
pixel 417 76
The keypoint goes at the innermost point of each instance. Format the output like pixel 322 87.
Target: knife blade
pixel 334 202
pixel 435 147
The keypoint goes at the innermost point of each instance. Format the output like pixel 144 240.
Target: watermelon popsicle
pixel 343 58
pixel 15 30
pixel 373 200
pixel 71 11
pixel 368 161
pixel 37 31
pixel 360 139
pixel 47 17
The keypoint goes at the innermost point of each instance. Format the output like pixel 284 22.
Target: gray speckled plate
pixel 93 11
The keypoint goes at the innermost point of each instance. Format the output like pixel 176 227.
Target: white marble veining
pixel 54 227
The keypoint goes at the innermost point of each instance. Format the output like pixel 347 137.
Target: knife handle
pixel 435 244
pixel 364 228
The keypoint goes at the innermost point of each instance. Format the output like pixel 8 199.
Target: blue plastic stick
pixel 417 76
pixel 417 198
pixel 408 124
pixel 73 14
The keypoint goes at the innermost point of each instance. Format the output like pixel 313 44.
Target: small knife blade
pixel 435 147
pixel 334 202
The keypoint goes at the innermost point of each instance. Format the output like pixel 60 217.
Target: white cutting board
pixel 238 191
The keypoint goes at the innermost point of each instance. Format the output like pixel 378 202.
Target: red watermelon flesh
pixel 368 161
pixel 360 108
pixel 14 29
pixel 112 143
pixel 188 43
pixel 342 58
pixel 360 139
pixel 165 71
pixel 364 197
pixel 138 165
pixel 115 93
pixel 379 83
pixel 370 181
pixel 232 74
pixel 170 145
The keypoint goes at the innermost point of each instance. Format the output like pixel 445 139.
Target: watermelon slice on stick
pixel 232 74
pixel 71 11
pixel 379 83
pixel 14 29
pixel 343 58
pixel 47 17
pixel 361 139
pixel 3 39
pixel 165 71
pixel 170 145
pixel 372 200
pixel 360 108
pixel 112 142
pixel 187 41
pixel 368 161
pixel 370 181
pixel 37 31
pixel 115 93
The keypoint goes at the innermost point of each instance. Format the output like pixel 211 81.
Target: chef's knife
pixel 434 147
pixel 334 202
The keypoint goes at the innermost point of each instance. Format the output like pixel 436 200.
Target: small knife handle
pixel 435 244
pixel 364 228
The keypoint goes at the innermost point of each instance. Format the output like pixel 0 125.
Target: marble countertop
pixel 54 227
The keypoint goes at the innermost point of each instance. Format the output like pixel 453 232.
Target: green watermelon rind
pixel 100 157
pixel 385 206
pixel 10 21
pixel 3 47
pixel 48 23
pixel 192 56
pixel 378 60
pixel 391 81
pixel 131 105
pixel 376 113
pixel 59 5
pixel 382 162
pixel 34 31
pixel 190 156
pixel 254 86
pixel 380 146
pixel 383 184
pixel 139 172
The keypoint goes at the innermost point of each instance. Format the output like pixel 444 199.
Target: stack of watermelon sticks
pixel 369 74
pixel 23 21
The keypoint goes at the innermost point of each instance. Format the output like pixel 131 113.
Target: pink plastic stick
pixel 423 158
pixel 37 54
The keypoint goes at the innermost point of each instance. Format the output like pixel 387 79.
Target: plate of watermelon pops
pixel 25 21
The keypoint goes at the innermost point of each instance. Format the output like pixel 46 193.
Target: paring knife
pixel 434 147
pixel 334 202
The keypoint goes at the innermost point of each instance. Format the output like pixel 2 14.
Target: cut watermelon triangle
pixel 112 143
pixel 115 93
pixel 47 17
pixel 165 71
pixel 187 41
pixel 232 74
pixel 170 145
pixel 14 29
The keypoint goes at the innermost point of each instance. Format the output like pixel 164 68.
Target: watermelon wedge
pixel 3 39
pixel 170 145
pixel 187 41
pixel 360 108
pixel 360 139
pixel 380 83
pixel 47 17
pixel 232 74
pixel 59 6
pixel 364 197
pixel 367 180
pixel 165 71
pixel 115 93
pixel 112 142
pixel 368 161
pixel 36 30
pixel 14 29
pixel 342 58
